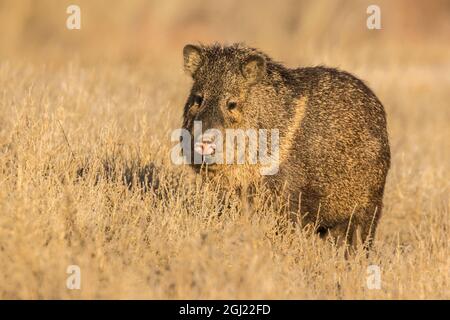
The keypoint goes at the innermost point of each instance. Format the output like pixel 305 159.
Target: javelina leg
pixel 342 233
pixel 368 227
pixel 350 237
pixel 368 234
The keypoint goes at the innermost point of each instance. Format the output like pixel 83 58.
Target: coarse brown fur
pixel 334 149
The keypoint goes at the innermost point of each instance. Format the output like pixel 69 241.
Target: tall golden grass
pixel 86 178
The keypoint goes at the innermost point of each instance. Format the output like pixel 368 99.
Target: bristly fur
pixel 335 152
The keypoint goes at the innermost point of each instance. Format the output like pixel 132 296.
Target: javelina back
pixel 334 151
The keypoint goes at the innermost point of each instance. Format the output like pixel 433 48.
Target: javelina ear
pixel 254 67
pixel 192 58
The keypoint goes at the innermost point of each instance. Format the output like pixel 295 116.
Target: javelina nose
pixel 205 146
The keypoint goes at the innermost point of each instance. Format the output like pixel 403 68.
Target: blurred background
pixel 296 32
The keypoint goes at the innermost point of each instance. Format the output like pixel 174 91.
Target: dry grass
pixel 86 178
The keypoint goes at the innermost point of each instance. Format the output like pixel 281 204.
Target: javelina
pixel 333 152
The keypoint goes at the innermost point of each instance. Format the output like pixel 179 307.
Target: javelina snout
pixel 206 145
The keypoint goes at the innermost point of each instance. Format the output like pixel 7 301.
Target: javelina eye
pixel 198 99
pixel 231 105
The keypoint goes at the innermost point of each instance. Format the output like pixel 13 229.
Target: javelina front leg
pixel 342 234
